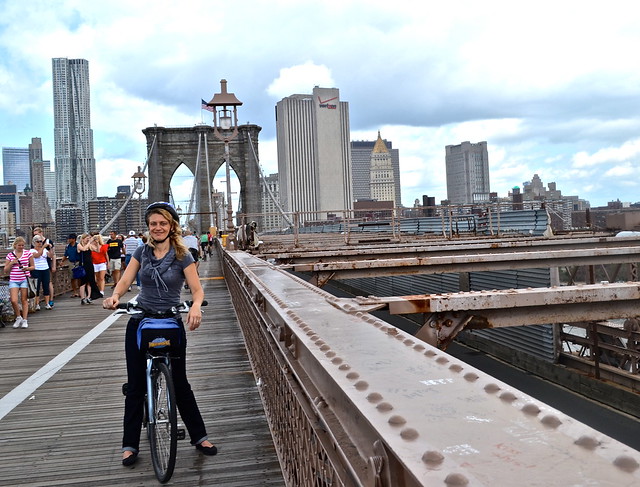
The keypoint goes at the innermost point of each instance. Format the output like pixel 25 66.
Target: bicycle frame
pixel 151 366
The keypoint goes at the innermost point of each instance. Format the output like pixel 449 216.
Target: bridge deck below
pixel 68 430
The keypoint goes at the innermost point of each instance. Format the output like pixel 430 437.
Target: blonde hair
pixel 19 240
pixel 175 234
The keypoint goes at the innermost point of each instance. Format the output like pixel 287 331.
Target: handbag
pixel 78 272
pixel 32 287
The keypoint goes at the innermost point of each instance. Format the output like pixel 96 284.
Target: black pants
pixel 134 402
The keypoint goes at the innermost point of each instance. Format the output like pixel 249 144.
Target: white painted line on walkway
pixel 24 390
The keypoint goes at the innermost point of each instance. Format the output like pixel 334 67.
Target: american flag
pixel 204 106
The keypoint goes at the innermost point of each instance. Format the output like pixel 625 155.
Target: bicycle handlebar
pixel 133 308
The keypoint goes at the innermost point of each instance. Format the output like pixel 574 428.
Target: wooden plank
pixel 69 432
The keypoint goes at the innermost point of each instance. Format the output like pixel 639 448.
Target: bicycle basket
pixel 159 335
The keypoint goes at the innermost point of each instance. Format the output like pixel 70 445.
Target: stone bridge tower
pixel 171 147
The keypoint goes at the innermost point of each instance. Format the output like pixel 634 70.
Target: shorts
pixel 100 267
pixel 19 284
pixel 194 253
pixel 115 264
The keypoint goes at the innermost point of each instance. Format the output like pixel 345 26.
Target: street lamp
pixel 225 128
pixel 139 186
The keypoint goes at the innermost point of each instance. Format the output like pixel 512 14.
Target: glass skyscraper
pixel 15 167
pixel 75 167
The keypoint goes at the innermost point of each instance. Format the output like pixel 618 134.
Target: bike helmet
pixel 161 205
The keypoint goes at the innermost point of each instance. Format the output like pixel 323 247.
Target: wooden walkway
pixel 68 430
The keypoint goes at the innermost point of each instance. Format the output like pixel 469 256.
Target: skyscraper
pixel 15 167
pixel 361 169
pixel 41 213
pixel 75 166
pixel 467 168
pixel 314 153
pixel 382 181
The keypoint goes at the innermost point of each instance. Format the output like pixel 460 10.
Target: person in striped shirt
pixel 19 263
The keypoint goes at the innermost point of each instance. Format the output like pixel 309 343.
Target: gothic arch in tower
pixel 171 147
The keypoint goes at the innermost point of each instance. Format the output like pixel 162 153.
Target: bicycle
pixel 156 332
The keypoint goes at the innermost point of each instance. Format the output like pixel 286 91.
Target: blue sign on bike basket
pixel 160 334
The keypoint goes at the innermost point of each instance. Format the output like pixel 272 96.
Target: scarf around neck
pixel 154 268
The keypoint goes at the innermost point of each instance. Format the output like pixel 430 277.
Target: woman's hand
pixel 111 302
pixel 194 317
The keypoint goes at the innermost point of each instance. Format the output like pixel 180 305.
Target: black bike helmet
pixel 161 205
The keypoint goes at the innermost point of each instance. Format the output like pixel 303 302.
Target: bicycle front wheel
pixel 163 424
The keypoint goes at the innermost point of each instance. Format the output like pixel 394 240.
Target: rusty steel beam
pixel 327 252
pixel 448 314
pixel 438 264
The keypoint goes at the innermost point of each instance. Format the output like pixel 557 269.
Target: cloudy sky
pixel 552 86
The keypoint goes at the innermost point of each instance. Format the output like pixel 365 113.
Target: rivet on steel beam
pixel 588 442
pixel 432 458
pixel 374 397
pixel 336 361
pixel 353 375
pixel 396 420
pixel 324 348
pixel 430 353
pixel 492 388
pixel 551 421
pixel 531 409
pixel 626 463
pixel 409 434
pixel 362 385
pixel 330 354
pixel 408 342
pixel 508 396
pixel 442 360
pixel 384 407
pixel 455 367
pixel 419 347
pixel 471 376
pixel 344 367
pixel 456 479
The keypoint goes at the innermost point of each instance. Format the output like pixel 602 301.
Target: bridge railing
pixel 353 401
pixel 362 225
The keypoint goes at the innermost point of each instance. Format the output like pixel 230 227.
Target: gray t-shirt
pixel 160 291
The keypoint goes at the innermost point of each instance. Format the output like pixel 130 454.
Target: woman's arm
pixel 123 284
pixel 9 264
pixel 194 317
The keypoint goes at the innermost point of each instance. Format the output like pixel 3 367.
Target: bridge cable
pixel 264 182
pixel 126 202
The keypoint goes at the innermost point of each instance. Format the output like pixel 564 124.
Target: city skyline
pixel 559 104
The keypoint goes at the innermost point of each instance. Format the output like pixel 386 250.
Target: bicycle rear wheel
pixel 163 424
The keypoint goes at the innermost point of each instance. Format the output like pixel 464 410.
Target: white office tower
pixel 314 154
pixel 467 167
pixel 382 179
pixel 75 167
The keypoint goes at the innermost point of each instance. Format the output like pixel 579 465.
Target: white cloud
pixel 556 95
pixel 300 79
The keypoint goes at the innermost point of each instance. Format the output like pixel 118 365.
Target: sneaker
pixel 37 307
pixel 51 304
pixel 83 301
pixel 16 324
pixel 24 324
pixel 48 306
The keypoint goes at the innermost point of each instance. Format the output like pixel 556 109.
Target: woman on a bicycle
pixel 163 263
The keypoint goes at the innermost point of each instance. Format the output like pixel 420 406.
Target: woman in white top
pixel 19 263
pixel 41 271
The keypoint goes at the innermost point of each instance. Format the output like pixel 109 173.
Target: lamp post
pixel 139 185
pixel 179 212
pixel 226 129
